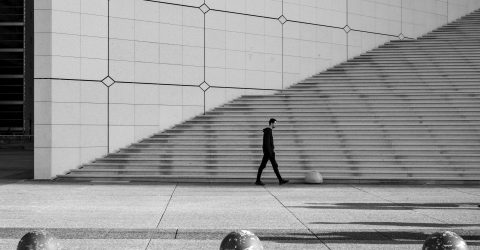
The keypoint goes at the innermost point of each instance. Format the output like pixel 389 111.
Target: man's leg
pixel 275 167
pixel 262 167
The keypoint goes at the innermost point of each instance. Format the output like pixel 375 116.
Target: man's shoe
pixel 259 183
pixel 283 182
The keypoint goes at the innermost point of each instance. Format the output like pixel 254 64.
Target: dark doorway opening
pixel 16 89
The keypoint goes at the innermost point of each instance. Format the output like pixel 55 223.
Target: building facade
pixel 111 72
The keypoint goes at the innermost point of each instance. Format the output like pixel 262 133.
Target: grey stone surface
pixel 82 206
pixel 189 216
pixel 204 211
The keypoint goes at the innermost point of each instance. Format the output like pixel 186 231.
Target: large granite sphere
pixel 38 240
pixel 241 240
pixel 313 177
pixel 444 241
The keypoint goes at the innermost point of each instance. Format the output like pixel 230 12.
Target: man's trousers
pixel 265 158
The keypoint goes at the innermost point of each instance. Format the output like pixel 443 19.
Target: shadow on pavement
pixel 383 238
pixel 401 224
pixel 389 206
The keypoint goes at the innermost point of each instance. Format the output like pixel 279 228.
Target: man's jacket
pixel 268 142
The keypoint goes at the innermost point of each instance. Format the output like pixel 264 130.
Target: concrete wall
pixel 108 73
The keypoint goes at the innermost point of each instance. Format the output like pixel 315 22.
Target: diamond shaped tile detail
pixel 204 86
pixel 347 28
pixel 282 19
pixel 401 36
pixel 204 8
pixel 108 81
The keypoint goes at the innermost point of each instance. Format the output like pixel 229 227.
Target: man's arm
pixel 268 142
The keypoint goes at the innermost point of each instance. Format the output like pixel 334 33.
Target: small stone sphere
pixel 444 241
pixel 241 240
pixel 38 240
pixel 313 177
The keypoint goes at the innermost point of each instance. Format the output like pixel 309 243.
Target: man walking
pixel 269 154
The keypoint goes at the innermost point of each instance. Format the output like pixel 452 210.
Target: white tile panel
pixel 65 113
pixel 122 28
pixel 214 97
pixel 65 91
pixel 42 21
pixel 122 93
pixel 66 5
pixel 122 70
pixel 147 31
pixel 171 34
pixel 43 135
pixel 65 136
pixel 96 7
pixel 170 115
pixel 42 166
pixel 192 56
pixel 170 14
pixel 146 94
pixel 93 136
pixel 43 66
pixel 170 95
pixel 42 90
pixel 43 112
pixel 65 22
pixel 192 96
pixel 188 112
pixel 94 47
pixel 122 50
pixel 88 154
pixel 172 53
pixel 146 11
pixel 93 113
pixel 121 136
pixel 192 75
pixel 122 8
pixel 122 114
pixel 192 36
pixel 216 76
pixel 65 45
pixel 93 69
pixel 146 72
pixel 94 25
pixel 146 115
pixel 64 159
pixel 170 74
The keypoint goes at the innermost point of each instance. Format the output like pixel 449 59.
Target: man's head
pixel 272 122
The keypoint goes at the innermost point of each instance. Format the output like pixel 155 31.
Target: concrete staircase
pixel 408 111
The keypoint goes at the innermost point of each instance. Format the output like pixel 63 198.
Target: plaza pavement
pixel 198 216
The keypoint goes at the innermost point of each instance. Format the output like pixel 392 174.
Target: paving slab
pixel 235 211
pixel 77 206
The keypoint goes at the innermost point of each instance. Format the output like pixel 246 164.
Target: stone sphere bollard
pixel 445 241
pixel 38 240
pixel 241 240
pixel 313 177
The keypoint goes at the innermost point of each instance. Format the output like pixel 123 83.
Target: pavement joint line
pixel 164 211
pixel 281 203
pixel 399 204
